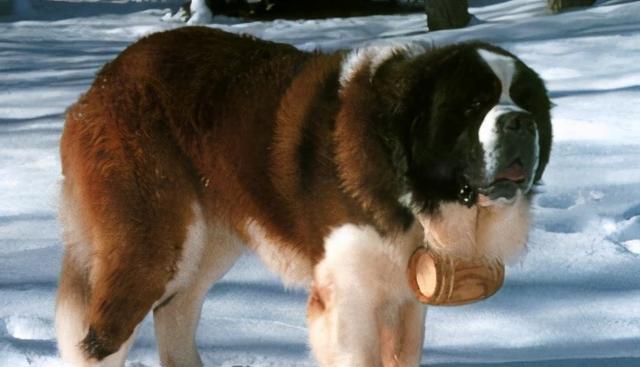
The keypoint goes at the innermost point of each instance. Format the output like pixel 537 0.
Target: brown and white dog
pixel 195 143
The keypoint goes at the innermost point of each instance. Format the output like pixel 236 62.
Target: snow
pixel 573 301
pixel 200 13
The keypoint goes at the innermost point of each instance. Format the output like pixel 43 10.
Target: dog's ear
pixel 529 89
pixel 404 84
pixel 364 136
pixel 392 84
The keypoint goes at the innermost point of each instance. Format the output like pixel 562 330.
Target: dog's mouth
pixel 502 189
pixel 505 185
pixel 514 173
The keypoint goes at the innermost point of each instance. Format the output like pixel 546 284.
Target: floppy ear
pixel 360 137
pixel 392 84
pixel 545 137
pixel 544 142
pixel 404 88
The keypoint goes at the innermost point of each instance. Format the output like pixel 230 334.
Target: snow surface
pixel 573 301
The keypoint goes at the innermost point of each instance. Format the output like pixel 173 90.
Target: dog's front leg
pixel 342 333
pixel 403 336
pixel 361 311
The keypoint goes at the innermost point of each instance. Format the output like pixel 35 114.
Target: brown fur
pixel 243 126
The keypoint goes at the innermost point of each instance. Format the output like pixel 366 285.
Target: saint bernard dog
pixel 195 144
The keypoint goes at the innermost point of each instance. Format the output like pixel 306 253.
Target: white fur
pixel 75 237
pixel 70 330
pixel 504 68
pixel 363 284
pixel 496 232
pixel 176 320
pixel 452 230
pixel 373 56
pixel 295 269
pixel 70 323
pixel 503 230
pixel 192 250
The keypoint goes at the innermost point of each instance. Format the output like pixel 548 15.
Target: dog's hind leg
pixel 176 317
pixel 135 197
pixel 74 293
pixel 129 272
pixel 71 317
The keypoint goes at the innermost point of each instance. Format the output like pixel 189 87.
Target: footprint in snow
pixel 564 212
pixel 29 328
pixel 627 232
pixel 556 201
pixel 633 211
pixel 568 200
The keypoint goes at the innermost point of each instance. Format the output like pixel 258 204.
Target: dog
pixel 194 144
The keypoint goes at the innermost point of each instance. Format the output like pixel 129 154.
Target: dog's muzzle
pixel 511 162
pixel 509 139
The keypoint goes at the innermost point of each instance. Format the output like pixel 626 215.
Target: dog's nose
pixel 518 122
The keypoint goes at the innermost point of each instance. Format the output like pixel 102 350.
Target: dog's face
pixel 480 131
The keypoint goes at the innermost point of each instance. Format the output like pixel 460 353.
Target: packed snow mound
pixel 200 13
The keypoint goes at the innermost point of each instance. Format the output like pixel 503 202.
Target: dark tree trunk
pixel 560 5
pixel 305 9
pixel 5 7
pixel 446 14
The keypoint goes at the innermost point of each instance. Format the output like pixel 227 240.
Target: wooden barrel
pixel 446 281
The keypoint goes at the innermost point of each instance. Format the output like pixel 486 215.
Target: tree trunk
pixel 5 7
pixel 560 5
pixel 446 14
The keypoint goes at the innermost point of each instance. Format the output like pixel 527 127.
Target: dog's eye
pixel 473 107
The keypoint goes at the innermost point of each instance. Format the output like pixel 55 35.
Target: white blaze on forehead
pixel 504 67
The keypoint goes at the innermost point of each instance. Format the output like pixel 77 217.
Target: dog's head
pixel 474 124
pixel 477 122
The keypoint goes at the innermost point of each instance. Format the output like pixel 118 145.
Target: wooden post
pixel 560 5
pixel 446 14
